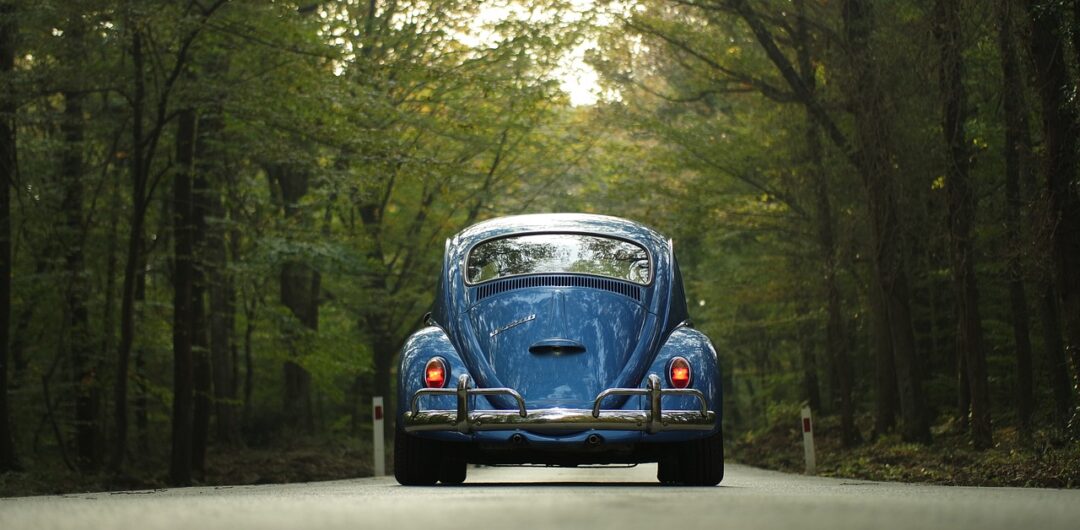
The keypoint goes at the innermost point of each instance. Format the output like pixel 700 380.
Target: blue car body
pixel 561 367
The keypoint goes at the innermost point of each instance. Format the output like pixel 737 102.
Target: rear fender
pixel 696 348
pixel 421 347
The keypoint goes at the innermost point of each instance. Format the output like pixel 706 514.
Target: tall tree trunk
pixel 885 398
pixel 1076 33
pixel 202 385
pixel 183 312
pixel 875 161
pixel 139 204
pixel 806 339
pixel 201 362
pixel 249 368
pixel 249 306
pixel 142 417
pixel 76 313
pixel 200 350
pixel 1018 156
pixel 355 397
pixel 1057 364
pixel 963 385
pixel 835 343
pixel 112 250
pixel 377 320
pixel 838 353
pixel 295 288
pixel 384 353
pixel 8 460
pixel 19 337
pixel 223 352
pixel 1059 125
pixel 219 282
pixel 297 283
pixel 961 213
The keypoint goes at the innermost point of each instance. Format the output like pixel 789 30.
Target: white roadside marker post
pixel 808 441
pixel 377 432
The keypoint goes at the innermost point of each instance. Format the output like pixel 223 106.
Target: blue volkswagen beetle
pixel 559 339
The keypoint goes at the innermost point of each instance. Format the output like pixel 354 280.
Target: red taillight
pixel 435 373
pixel 679 373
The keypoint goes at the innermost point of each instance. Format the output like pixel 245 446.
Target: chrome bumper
pixel 651 421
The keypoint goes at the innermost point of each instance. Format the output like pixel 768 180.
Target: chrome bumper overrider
pixel 652 421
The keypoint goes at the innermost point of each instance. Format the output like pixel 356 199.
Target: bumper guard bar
pixel 652 421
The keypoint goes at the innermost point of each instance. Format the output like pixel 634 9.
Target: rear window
pixel 555 253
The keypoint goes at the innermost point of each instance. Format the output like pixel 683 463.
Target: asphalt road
pixel 523 498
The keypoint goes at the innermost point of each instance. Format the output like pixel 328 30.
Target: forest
pixel 219 219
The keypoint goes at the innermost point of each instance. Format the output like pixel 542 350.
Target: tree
pixel 144 149
pixel 961 206
pixel 7 180
pixel 76 313
pixel 194 106
pixel 1059 126
pixel 184 324
pixel 835 342
pixel 870 154
pixel 444 144
pixel 140 202
pixel 300 291
pixel 219 280
pixel 874 160
pixel 282 177
pixel 1018 172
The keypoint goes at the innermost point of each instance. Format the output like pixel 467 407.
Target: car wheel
pixel 701 462
pixel 667 468
pixel 452 470
pixel 694 463
pixel 416 460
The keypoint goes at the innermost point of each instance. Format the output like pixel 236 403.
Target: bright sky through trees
pixel 579 80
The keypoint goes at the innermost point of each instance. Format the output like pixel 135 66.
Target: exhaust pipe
pixel 594 440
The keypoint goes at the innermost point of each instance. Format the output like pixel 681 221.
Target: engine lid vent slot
pixel 508 284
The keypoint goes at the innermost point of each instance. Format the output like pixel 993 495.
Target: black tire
pixel 452 470
pixel 416 460
pixel 695 463
pixel 667 468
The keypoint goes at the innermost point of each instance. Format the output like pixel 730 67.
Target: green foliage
pixel 707 140
pixel 950 461
pixel 340 143
pixel 399 125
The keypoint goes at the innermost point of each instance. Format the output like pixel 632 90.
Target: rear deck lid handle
pixel 557 347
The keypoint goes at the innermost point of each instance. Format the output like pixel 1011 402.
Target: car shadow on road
pixel 564 484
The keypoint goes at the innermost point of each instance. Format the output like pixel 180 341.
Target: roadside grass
pixel 1046 461
pixel 298 459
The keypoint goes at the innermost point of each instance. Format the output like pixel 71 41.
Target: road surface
pixel 525 498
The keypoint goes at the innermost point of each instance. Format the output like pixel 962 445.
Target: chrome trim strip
pixel 513 324
pixel 463 392
pixel 548 420
pixel 653 420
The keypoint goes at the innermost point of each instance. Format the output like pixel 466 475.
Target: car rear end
pixel 558 346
